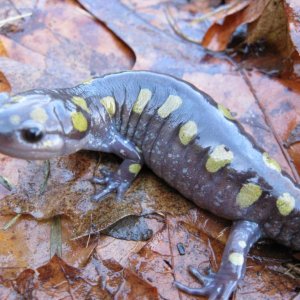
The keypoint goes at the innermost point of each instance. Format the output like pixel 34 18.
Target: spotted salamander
pixel 183 135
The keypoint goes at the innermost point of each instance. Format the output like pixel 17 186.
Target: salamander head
pixel 41 125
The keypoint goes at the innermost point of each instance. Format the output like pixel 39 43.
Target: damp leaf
pixel 58 44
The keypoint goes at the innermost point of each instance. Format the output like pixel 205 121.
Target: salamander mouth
pixel 29 154
pixel 15 146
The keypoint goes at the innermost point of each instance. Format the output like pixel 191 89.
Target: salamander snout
pixel 30 129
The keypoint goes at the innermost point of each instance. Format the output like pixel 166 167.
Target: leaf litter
pixel 67 190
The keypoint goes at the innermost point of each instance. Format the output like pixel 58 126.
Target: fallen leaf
pixel 260 103
pixel 292 9
pixel 274 33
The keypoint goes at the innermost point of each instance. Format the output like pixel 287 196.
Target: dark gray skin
pixel 189 143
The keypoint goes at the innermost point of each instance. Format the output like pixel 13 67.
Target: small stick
pixel 214 12
pixel 172 23
pixel 11 222
pixel 14 18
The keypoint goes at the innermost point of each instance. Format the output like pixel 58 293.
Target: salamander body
pixel 183 135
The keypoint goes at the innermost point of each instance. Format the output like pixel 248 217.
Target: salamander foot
pixel 215 285
pixel 113 182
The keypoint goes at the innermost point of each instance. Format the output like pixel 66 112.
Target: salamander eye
pixel 32 135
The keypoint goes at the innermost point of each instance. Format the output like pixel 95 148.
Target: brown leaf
pixel 55 41
pixel 121 282
pixel 292 9
pixel 27 245
pixel 55 280
pixel 4 84
pixel 218 23
pixel 272 27
pixel 22 76
pixel 160 262
pixel 294 136
pixel 68 191
pixel 282 115
pixel 219 34
pixel 259 102
pixel 267 20
pixel 25 283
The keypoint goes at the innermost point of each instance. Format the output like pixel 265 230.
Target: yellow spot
pixel 270 162
pixel 248 194
pixel 218 159
pixel 79 101
pixel 242 244
pixel 225 111
pixel 88 81
pixel 110 105
pixel 15 119
pixel 171 104
pixel 6 105
pixel 135 168
pixel 48 144
pixel 39 115
pixel 17 99
pixel 142 100
pixel 236 258
pixel 187 132
pixel 79 121
pixel 285 204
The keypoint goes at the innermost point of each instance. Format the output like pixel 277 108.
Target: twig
pixel 172 23
pixel 56 237
pixel 14 18
pixel 11 222
pixel 214 12
pixel 5 183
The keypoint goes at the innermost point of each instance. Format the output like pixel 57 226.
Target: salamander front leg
pixel 220 285
pixel 120 180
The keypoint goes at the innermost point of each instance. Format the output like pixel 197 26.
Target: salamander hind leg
pixel 120 180
pixel 220 285
pixel 215 285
